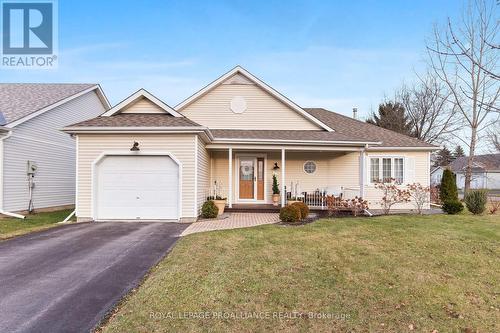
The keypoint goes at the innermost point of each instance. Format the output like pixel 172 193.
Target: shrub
pixel 494 206
pixel 290 214
pixel 304 210
pixel 392 195
pixel 448 189
pixel 453 207
pixel 209 210
pixel 420 195
pixel 476 201
pixel 276 188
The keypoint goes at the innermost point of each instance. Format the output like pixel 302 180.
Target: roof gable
pixel 240 76
pixel 141 102
pixel 20 102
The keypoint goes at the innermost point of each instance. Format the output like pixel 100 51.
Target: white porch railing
pixel 317 199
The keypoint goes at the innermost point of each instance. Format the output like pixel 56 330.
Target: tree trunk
pixel 470 160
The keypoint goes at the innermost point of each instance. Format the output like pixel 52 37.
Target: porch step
pixel 252 208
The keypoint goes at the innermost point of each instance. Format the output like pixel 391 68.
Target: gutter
pixel 19 216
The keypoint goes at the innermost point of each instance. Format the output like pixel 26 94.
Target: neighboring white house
pixel 145 160
pixel 485 171
pixel 34 153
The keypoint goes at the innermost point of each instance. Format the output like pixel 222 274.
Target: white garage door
pixel 137 187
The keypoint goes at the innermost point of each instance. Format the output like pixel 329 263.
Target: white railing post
pixel 283 193
pixel 230 189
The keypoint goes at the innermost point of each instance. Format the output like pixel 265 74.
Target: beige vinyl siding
pixel 91 146
pixel 203 177
pixel 421 175
pixel 263 110
pixel 143 105
pixel 334 169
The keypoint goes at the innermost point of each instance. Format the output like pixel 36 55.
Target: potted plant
pixel 219 202
pixel 276 191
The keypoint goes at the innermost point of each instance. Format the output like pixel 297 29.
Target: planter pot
pixel 290 202
pixel 221 204
pixel 276 199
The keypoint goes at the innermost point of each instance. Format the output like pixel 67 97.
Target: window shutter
pixel 409 170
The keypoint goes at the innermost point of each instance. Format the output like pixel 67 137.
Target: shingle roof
pixel 360 130
pixel 282 135
pixel 18 100
pixel 346 129
pixel 137 120
pixel 481 162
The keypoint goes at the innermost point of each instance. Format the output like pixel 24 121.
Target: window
pixel 398 170
pixel 374 171
pixel 386 168
pixel 309 167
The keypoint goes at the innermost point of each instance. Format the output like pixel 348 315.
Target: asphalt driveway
pixel 67 279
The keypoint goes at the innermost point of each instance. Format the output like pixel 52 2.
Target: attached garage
pixel 136 187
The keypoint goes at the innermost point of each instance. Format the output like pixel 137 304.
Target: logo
pixel 29 33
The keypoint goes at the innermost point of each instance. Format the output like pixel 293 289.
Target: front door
pixel 247 178
pixel 251 178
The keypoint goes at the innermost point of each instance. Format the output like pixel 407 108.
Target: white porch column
pixel 283 181
pixel 362 173
pixel 230 182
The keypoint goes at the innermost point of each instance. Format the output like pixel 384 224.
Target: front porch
pixel 244 175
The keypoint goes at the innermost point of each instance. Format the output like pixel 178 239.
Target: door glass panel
pixel 246 170
pixel 260 170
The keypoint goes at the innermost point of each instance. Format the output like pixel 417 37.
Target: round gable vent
pixel 238 104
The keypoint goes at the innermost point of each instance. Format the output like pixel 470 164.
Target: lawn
pixel 390 274
pixel 10 227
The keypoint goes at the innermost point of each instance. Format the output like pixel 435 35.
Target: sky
pixel 332 54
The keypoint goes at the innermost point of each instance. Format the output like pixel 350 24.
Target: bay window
pixel 384 169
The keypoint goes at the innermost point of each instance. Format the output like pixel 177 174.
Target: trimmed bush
pixel 304 210
pixel 475 201
pixel 453 207
pixel 209 210
pixel 290 214
pixel 448 189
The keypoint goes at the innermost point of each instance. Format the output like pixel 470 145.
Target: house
pixel 485 172
pixel 37 167
pixel 143 159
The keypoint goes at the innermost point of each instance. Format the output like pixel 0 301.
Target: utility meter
pixel 31 168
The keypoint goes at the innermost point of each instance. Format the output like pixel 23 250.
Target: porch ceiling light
pixel 276 167
pixel 135 146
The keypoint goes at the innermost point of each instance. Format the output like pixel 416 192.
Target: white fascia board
pixel 218 146
pixel 260 83
pixel 135 96
pixel 403 148
pixel 59 103
pixel 305 142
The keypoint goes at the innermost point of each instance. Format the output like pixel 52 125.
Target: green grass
pixel 383 274
pixel 11 227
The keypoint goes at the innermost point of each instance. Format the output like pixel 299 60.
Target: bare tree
pixel 427 104
pixel 461 57
pixel 494 138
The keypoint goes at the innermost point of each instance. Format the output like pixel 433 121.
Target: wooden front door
pixel 247 178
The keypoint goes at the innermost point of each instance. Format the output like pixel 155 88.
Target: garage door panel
pixel 138 187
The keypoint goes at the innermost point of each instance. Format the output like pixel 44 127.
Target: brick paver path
pixel 233 221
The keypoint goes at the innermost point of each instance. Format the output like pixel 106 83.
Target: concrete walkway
pixel 232 221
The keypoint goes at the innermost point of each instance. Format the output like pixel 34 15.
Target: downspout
pixel 362 176
pixel 3 212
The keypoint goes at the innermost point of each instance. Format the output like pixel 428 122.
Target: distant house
pixel 35 156
pixel 485 172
